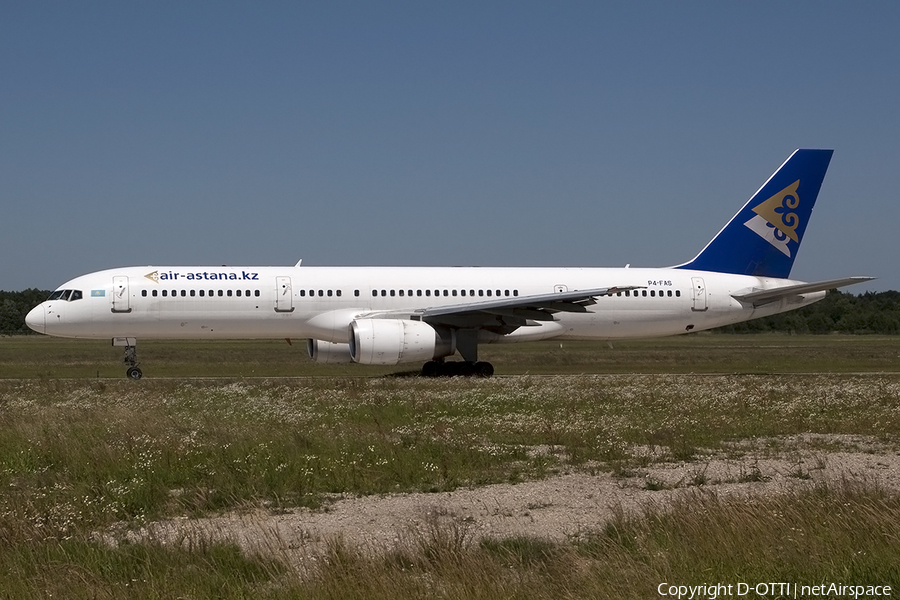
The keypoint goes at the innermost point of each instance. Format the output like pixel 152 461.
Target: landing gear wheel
pixel 435 368
pixel 134 373
pixel 432 369
pixel 484 369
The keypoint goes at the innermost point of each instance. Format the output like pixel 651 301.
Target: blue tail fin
pixel 763 238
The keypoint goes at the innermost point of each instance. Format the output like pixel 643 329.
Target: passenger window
pixel 653 293
pixel 489 292
pixel 481 292
pixel 454 293
pixel 329 293
pixel 393 293
pixel 192 293
pixel 302 293
pixel 144 293
pixel 446 293
pixel 383 293
pixel 202 293
pixel 515 292
pixel 321 293
pixel 229 293
pixel 401 292
pixel 338 292
pixel 220 293
pixel 155 293
pixel 256 293
pixel 419 293
pixel 678 293
pixel 428 293
pixel 356 293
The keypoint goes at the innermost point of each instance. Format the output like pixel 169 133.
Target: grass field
pixel 256 425
pixel 40 356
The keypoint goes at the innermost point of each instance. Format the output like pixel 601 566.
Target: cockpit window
pixel 67 295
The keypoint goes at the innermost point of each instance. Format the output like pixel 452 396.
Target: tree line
pixel 871 312
pixel 839 312
pixel 14 306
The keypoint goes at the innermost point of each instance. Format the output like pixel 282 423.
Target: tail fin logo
pixel 775 219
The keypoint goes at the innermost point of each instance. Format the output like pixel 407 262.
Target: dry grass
pixel 77 456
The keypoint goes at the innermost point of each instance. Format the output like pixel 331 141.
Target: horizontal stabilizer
pixel 760 297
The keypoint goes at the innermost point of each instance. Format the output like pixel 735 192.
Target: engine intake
pixel 394 341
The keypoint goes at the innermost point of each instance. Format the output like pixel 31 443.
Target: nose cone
pixel 35 318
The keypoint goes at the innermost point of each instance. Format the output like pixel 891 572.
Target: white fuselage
pixel 321 302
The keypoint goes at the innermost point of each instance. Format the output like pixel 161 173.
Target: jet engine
pixel 328 352
pixel 394 341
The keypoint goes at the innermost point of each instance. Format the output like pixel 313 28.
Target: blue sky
pixel 418 133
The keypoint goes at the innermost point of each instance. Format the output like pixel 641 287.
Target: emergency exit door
pixel 284 295
pixel 121 298
pixel 699 294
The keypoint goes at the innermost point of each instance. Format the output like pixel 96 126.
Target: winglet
pixel 762 239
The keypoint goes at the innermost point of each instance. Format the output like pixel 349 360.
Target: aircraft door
pixel 699 294
pixel 284 295
pixel 121 298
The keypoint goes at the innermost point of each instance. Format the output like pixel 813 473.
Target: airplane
pixel 394 315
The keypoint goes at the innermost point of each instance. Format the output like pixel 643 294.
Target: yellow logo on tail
pixel 778 210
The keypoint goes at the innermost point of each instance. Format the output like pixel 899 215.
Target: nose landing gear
pixel 130 344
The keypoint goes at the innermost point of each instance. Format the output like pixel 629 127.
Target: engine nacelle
pixel 328 352
pixel 394 341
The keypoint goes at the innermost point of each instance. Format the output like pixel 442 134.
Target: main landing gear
pixel 467 345
pixel 130 344
pixel 434 368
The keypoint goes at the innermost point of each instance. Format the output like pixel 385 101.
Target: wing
pixel 761 297
pixel 505 315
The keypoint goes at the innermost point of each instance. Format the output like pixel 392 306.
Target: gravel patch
pixel 557 508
